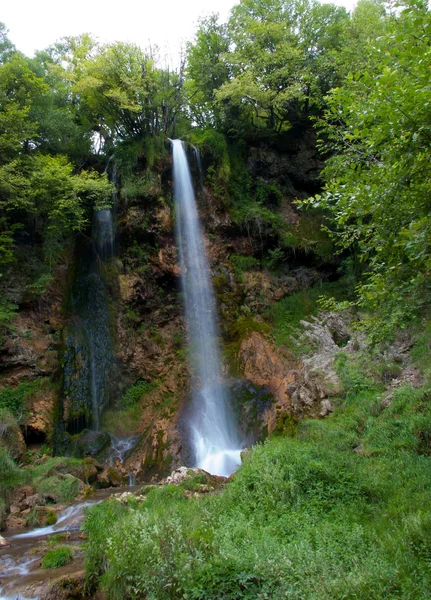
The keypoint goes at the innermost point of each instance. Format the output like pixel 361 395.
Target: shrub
pixel 13 399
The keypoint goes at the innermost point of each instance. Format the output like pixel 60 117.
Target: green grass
pixel 10 474
pixel 340 511
pixel 58 557
pixel 287 314
pixel 58 478
pixel 121 422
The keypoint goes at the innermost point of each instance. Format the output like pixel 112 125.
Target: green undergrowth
pixel 14 399
pixel 342 510
pixel 11 475
pixel 121 422
pixel 125 418
pixel 135 393
pixel 286 315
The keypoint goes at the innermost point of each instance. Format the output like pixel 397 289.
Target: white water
pixel 69 519
pixel 212 423
pixel 119 449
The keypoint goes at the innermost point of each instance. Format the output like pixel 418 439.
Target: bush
pixel 58 557
pixel 10 435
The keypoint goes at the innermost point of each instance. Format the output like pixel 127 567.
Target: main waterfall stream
pixel 213 428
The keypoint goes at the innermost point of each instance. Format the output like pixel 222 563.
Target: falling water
pixel 120 448
pixel 199 164
pixel 213 432
pixel 89 356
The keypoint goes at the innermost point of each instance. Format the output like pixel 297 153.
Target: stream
pixel 20 569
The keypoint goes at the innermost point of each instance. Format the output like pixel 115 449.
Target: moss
pixel 51 518
pixel 136 392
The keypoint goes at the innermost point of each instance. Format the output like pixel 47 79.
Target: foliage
pixel 286 315
pixel 135 393
pixel 378 180
pixel 243 263
pixel 122 422
pixel 59 478
pixel 57 557
pixel 10 474
pixel 14 399
pixel 206 71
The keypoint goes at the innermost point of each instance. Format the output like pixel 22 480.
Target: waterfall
pixel 199 164
pixel 89 360
pixel 212 424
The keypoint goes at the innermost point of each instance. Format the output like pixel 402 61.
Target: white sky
pixel 36 24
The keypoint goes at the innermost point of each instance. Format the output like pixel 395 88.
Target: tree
pixel 207 71
pixel 19 87
pixel 379 181
pixel 7 49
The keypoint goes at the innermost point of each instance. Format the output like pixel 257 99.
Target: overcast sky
pixel 35 24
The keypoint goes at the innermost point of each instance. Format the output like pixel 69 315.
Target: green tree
pixel 207 70
pixel 6 46
pixel 378 183
pixel 19 87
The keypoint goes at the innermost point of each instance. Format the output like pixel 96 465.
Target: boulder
pixel 202 478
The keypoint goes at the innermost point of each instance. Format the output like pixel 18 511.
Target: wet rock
pixel 110 477
pixel 326 408
pixel 35 499
pixel 3 542
pixel 91 470
pixel 65 588
pixel 89 443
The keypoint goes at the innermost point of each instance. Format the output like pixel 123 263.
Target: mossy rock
pixel 89 443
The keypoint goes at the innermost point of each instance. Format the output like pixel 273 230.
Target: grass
pixel 58 557
pixel 58 478
pixel 287 314
pixel 121 422
pixel 340 511
pixel 135 393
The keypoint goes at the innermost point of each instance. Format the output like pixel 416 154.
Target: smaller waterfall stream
pixel 212 423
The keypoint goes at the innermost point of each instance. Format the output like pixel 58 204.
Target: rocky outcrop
pixel 301 388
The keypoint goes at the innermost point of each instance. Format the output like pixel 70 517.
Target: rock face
pixel 300 388
pixel 30 353
pixel 296 167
